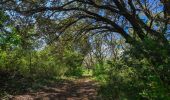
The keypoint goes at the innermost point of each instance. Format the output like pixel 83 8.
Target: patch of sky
pixel 101 12
pixel 143 17
pixel 168 32
pixel 41 44
pixel 18 1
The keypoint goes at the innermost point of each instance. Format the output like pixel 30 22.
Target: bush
pixel 132 80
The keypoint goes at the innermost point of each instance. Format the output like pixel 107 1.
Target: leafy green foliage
pixel 50 45
pixel 73 62
pixel 135 76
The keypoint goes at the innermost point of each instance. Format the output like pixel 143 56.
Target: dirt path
pixel 79 89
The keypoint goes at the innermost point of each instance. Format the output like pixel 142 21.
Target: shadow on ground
pixel 78 89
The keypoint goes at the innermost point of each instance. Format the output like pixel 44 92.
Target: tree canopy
pixel 107 36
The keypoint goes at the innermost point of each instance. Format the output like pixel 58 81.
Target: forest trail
pixel 79 89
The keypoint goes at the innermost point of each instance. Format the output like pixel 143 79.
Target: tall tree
pixel 143 23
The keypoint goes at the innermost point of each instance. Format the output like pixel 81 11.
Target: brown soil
pixel 79 89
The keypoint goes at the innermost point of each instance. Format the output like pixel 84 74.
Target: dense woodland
pixel 124 45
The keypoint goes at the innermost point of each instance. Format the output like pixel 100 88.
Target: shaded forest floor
pixel 82 88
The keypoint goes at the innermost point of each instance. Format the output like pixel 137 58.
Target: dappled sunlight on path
pixel 79 89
